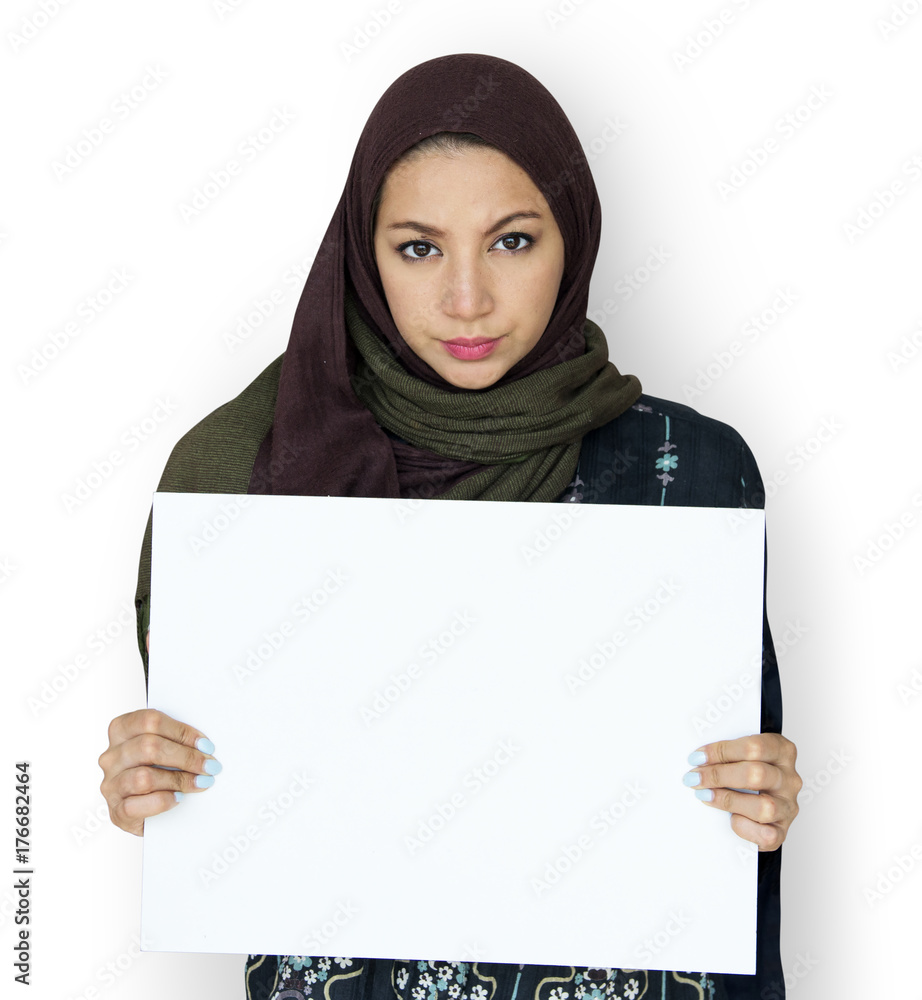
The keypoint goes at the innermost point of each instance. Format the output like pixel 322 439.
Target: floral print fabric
pixel 298 977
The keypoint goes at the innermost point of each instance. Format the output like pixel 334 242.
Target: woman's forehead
pixel 477 183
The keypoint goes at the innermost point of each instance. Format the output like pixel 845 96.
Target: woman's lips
pixel 471 348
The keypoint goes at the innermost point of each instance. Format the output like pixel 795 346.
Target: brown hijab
pixel 348 377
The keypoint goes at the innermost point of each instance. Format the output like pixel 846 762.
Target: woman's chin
pixel 471 374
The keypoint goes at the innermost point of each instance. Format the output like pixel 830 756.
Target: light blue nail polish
pixel 213 766
pixel 178 796
pixel 203 781
pixel 705 794
pixel 204 744
pixel 697 758
pixel 691 779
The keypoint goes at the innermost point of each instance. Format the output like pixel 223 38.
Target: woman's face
pixel 470 258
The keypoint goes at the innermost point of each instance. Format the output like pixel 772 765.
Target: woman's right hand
pixel 143 746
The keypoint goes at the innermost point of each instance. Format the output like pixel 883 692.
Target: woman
pixel 441 349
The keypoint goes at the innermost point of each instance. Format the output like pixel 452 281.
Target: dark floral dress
pixel 298 976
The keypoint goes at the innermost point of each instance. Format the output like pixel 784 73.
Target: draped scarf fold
pixel 525 433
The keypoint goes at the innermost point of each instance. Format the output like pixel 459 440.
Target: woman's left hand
pixel 764 763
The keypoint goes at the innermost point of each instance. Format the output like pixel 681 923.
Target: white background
pixel 155 360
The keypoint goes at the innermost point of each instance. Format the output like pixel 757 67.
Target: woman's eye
pixel 511 241
pixel 417 251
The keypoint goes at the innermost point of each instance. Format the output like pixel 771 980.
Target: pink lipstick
pixel 470 348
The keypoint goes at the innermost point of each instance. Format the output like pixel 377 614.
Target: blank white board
pixel 454 729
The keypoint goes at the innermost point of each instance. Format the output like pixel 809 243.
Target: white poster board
pixel 454 727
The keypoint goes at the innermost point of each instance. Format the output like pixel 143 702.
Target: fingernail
pixel 204 744
pixel 705 794
pixel 203 781
pixel 691 779
pixel 213 766
pixel 177 796
pixel 695 759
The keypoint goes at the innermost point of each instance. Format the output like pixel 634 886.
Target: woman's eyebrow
pixel 421 227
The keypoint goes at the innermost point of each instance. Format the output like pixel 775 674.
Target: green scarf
pixel 526 432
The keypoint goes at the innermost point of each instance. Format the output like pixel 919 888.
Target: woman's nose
pixel 467 293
